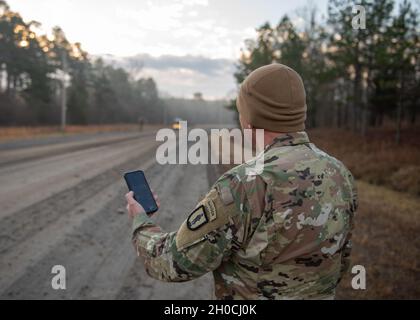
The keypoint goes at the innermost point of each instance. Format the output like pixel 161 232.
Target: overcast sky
pixel 169 32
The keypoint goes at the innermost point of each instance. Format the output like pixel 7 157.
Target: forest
pixel 355 78
pixel 34 69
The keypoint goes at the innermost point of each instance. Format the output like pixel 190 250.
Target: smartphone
pixel 136 182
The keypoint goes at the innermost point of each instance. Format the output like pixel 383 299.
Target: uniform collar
pixel 289 139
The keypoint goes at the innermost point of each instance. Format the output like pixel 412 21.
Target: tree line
pixel 36 68
pixel 355 77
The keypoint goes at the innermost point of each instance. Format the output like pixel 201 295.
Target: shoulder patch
pixel 197 218
pixel 210 215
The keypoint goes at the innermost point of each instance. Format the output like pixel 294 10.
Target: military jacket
pixel 275 227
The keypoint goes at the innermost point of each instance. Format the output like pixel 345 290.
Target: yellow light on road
pixel 23 43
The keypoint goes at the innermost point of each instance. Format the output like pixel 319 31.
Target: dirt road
pixel 62 204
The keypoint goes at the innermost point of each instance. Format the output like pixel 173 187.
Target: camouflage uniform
pixel 283 233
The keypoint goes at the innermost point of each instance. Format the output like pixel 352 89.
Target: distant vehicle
pixel 176 125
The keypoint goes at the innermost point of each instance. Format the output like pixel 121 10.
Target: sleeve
pixel 347 247
pixel 207 237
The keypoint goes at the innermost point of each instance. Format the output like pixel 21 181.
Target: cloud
pixel 176 27
pixel 185 82
pixel 198 64
pixel 160 16
pixel 181 76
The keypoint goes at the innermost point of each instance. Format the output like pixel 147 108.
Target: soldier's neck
pixel 269 137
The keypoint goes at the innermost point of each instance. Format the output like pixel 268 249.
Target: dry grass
pixel 12 133
pixel 376 158
pixel 386 241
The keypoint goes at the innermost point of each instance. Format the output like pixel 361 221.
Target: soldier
pixel 140 121
pixel 281 234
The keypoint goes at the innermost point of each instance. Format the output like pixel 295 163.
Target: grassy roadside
pixel 386 241
pixel 15 133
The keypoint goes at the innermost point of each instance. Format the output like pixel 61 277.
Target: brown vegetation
pixel 376 158
pixel 12 133
pixel 386 242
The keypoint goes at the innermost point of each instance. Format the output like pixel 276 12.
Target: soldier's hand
pixel 134 208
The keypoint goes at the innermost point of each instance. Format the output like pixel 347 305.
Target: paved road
pixel 61 203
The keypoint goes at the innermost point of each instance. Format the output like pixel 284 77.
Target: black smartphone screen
pixel 136 182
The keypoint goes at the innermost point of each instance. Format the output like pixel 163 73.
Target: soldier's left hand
pixel 134 208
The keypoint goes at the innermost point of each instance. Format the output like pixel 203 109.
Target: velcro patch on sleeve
pixel 226 195
pixel 210 215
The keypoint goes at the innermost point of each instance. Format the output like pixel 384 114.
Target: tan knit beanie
pixel 273 98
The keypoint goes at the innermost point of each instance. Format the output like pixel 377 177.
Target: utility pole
pixel 165 114
pixel 219 114
pixel 63 91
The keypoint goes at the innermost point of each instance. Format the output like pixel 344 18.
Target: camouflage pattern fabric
pixel 283 233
